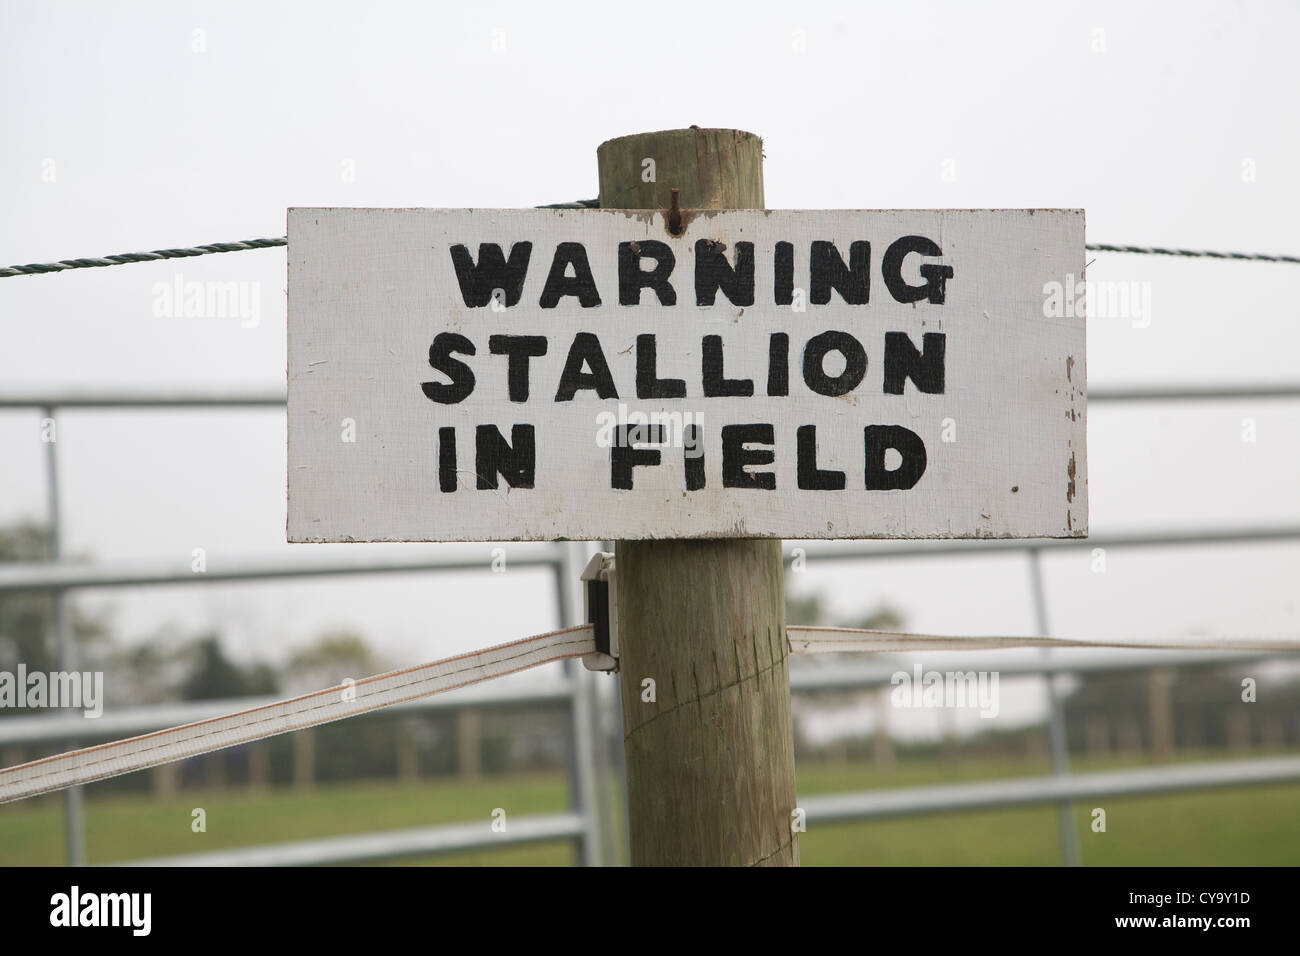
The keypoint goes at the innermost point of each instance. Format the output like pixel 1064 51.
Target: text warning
pixel 483 375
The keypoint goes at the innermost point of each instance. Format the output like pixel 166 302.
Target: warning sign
pixel 466 375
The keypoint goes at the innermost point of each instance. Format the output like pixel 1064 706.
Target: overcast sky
pixel 144 125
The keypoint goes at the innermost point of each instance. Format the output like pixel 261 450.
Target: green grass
pixel 1242 826
pixel 1246 826
pixel 136 827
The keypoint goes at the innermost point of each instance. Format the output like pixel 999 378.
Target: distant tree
pixel 213 675
pixel 27 618
pixel 806 609
pixel 811 610
pixel 883 618
pixel 330 659
pixel 147 672
pixel 349 749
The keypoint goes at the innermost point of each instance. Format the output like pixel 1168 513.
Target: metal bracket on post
pixel 600 610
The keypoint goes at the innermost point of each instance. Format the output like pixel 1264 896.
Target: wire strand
pixel 1194 253
pixel 157 254
pixel 62 265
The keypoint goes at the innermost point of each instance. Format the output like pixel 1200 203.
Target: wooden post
pixel 259 767
pixel 1129 736
pixel 1096 731
pixel 883 745
pixel 304 759
pixel 948 735
pixel 166 780
pixel 1238 730
pixel 710 751
pixel 1036 745
pixel 408 753
pixel 1160 713
pixel 1272 735
pixel 12 757
pixel 214 766
pixel 469 737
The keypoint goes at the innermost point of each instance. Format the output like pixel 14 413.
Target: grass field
pixel 1247 826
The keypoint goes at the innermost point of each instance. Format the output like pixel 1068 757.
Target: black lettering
pixel 812 478
pixel 624 455
pixel 934 274
pixel 516 462
pixel 716 385
pixel 735 456
pixel 783 274
pixel 648 384
pixel 461 375
pixel 585 351
pixel 827 271
pixel 632 278
pixel 714 272
pixel 493 271
pixel 880 438
pixel 814 356
pixel 903 361
pixel 519 348
pixel 446 459
pixel 778 364
pixel 693 445
pixel 558 283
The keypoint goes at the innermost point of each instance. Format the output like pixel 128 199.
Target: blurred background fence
pixel 1154 709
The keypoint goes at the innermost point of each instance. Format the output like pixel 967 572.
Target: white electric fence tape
pixel 309 710
pixel 372 693
pixel 833 640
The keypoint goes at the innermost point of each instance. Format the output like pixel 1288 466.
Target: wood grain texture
pixel 711 169
pixel 710 761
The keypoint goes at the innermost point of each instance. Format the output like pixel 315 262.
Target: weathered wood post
pixel 710 749
pixel 1160 713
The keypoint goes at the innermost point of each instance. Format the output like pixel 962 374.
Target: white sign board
pixel 481 375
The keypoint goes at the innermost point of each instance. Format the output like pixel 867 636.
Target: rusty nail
pixel 674 216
